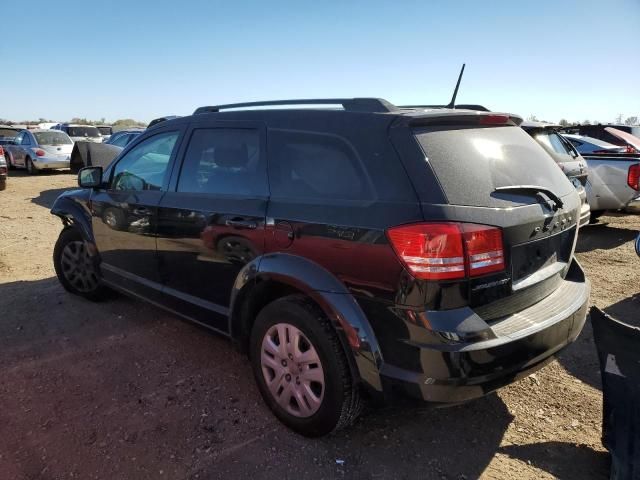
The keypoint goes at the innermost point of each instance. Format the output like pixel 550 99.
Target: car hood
pixel 627 137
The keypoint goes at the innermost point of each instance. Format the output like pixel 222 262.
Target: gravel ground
pixel 124 390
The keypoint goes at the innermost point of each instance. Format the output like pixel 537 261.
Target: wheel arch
pixel 273 276
pixel 73 215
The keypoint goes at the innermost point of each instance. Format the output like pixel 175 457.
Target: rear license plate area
pixel 528 258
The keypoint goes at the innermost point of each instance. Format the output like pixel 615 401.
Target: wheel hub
pixel 292 370
pixel 78 267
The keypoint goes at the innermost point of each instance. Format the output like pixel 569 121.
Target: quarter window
pixel 314 166
pixel 223 161
pixel 144 167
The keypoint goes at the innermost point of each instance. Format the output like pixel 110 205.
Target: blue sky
pixel 115 59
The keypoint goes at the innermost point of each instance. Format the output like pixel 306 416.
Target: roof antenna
pixel 452 103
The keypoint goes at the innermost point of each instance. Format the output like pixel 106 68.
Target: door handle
pixel 242 224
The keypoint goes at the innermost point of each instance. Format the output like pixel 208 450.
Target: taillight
pixel 445 251
pixel 633 176
pixel 40 152
pixel 1 151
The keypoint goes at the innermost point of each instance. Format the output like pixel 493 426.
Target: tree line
pixel 118 124
pixel 633 120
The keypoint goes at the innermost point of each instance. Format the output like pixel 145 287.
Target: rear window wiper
pixel 532 189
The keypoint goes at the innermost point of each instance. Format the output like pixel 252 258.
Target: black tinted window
pixel 223 161
pixel 306 165
pixel 144 166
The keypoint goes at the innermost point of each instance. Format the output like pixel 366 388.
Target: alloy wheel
pixel 292 370
pixel 78 267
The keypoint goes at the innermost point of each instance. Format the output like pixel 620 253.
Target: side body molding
pixel 329 293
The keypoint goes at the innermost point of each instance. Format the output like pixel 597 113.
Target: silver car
pixel 39 150
pixel 593 145
pixel 87 133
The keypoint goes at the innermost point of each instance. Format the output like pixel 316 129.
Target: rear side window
pixel 223 161
pixel 313 166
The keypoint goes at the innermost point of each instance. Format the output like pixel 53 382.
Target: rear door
pixel 211 223
pixel 17 152
pixel 124 213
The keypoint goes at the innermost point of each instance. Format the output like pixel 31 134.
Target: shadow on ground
pixel 567 461
pixel 47 197
pixel 627 310
pixel 603 237
pixel 134 391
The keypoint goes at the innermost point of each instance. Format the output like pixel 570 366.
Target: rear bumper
pixel 633 206
pixel 43 163
pixel 585 214
pixel 508 349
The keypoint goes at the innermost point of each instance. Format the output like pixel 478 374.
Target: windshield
pixel 594 141
pixel 104 130
pixel 52 138
pixel 83 132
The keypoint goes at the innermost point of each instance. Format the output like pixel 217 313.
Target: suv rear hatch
pixel 488 171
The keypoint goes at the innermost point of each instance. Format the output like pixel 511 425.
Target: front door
pixel 124 214
pixel 211 222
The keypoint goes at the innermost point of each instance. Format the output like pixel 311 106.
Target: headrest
pixel 232 156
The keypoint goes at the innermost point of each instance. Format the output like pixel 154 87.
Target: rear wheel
pixel 30 168
pixel 301 368
pixel 75 267
pixel 7 158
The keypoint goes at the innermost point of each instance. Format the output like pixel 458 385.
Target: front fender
pixel 72 209
pixel 350 322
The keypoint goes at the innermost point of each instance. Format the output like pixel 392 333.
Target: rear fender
pixel 350 322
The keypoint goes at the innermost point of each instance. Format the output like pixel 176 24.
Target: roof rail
pixel 369 105
pixel 463 106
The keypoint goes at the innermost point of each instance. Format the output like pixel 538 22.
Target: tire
pixel 3 184
pixel 76 270
pixel 595 216
pixel 333 406
pixel 10 165
pixel 31 170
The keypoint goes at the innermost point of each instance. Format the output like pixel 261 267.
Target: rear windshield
pixel 471 163
pixel 83 132
pixel 52 137
pixel 553 141
pixel 7 133
pixel 104 130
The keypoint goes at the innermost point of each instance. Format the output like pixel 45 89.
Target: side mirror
pixel 638 245
pixel 90 177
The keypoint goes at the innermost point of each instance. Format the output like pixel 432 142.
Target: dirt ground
pixel 125 390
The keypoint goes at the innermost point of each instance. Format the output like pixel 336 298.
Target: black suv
pixel 352 252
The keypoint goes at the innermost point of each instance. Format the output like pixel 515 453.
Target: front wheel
pixel 301 368
pixel 75 267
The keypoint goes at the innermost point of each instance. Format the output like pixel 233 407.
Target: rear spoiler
pixel 461 117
